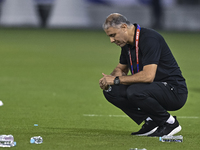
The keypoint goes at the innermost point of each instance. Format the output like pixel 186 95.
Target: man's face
pixel 117 35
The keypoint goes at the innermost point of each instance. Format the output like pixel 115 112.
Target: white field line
pixel 95 115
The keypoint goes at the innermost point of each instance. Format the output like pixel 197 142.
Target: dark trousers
pixel 143 100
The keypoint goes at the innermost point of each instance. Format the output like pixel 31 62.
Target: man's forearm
pixel 116 72
pixel 140 77
pixel 147 75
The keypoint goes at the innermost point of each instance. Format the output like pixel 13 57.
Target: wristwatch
pixel 116 81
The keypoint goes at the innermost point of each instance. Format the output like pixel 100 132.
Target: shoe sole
pixel 176 130
pixel 148 133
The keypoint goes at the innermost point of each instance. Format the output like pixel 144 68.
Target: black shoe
pixel 167 129
pixel 148 127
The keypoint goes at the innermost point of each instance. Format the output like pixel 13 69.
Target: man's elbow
pixel 150 79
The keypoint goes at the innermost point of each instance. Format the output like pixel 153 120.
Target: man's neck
pixel 131 33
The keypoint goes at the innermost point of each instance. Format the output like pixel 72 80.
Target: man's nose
pixel 112 39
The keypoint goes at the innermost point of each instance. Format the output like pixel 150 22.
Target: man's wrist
pixel 116 80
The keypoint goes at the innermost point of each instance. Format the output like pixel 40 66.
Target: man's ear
pixel 124 26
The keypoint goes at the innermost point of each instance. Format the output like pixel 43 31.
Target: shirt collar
pixel 133 46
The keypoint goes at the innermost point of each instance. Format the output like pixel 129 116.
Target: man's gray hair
pixel 115 20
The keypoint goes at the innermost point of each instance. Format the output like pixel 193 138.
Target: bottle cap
pixel 32 141
pixel 1 103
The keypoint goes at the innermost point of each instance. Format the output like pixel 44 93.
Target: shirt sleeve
pixel 150 48
pixel 123 59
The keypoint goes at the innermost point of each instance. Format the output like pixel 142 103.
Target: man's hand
pixel 102 84
pixel 106 81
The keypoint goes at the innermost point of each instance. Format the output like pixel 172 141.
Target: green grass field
pixel 50 78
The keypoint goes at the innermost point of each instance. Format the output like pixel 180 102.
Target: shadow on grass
pixel 86 131
pixel 196 90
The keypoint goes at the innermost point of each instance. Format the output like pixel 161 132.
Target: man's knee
pixel 107 95
pixel 116 91
pixel 110 95
pixel 116 94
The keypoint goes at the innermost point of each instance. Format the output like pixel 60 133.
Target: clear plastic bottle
pixel 7 141
pixel 165 138
pixel 36 140
pixel 138 149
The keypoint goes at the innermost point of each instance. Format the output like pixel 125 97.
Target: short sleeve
pixel 151 52
pixel 123 59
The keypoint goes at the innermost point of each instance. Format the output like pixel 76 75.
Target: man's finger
pixel 103 74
